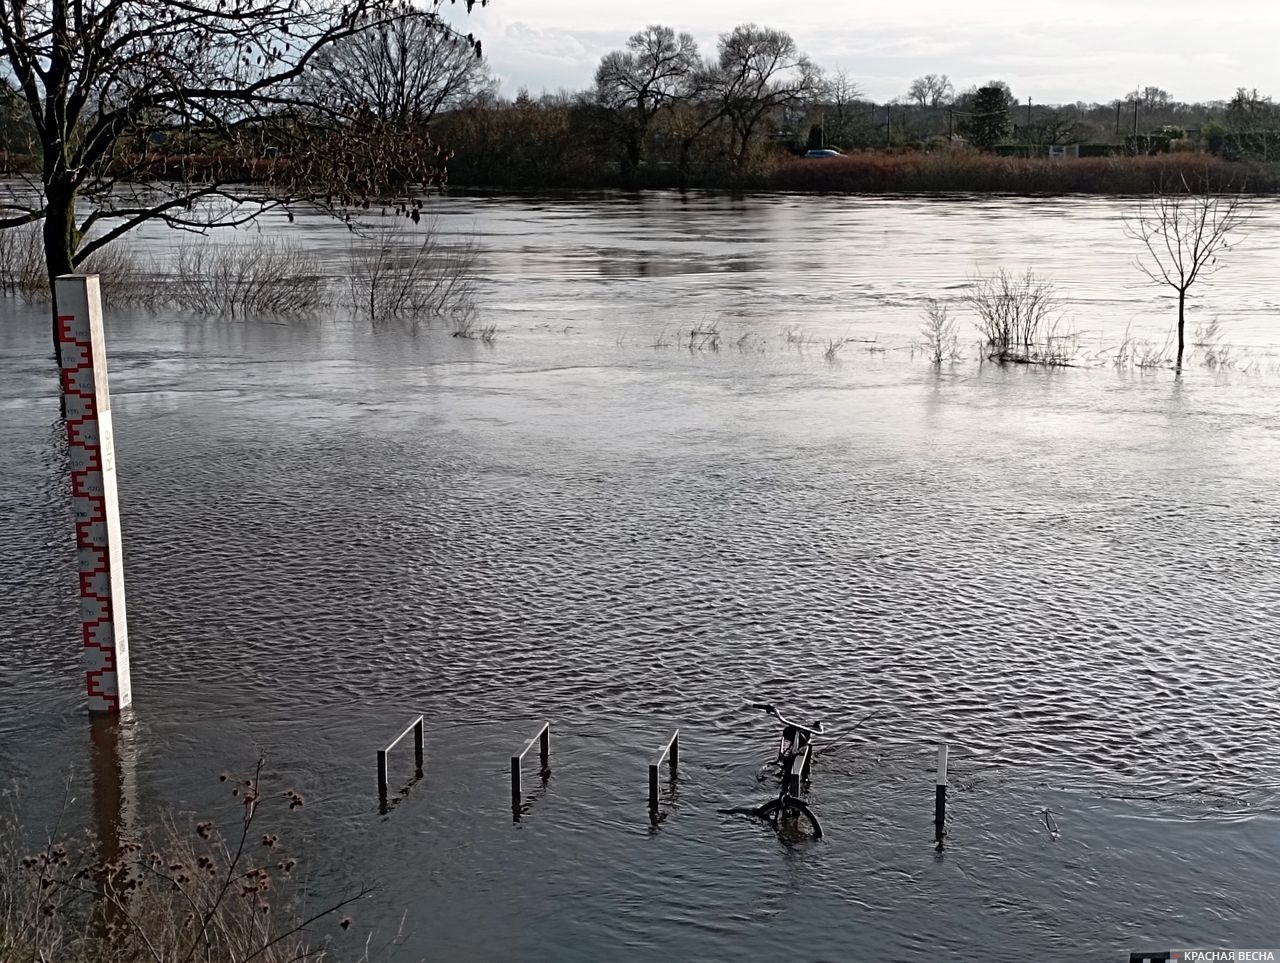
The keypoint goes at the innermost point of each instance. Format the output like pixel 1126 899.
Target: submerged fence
pixel 670 752
pixel 419 742
pixel 543 738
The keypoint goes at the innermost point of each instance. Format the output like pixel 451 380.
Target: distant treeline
pixel 661 114
pixel 557 144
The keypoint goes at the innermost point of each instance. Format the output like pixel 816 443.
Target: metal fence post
pixel 382 776
pixel 419 740
pixel 419 744
pixel 940 796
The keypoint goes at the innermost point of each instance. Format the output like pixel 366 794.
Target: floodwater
pixel 1071 576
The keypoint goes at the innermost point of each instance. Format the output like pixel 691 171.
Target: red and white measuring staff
pixel 93 492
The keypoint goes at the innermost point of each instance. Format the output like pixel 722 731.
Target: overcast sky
pixel 1054 51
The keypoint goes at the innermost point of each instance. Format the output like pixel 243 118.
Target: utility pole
pixel 888 134
pixel 951 126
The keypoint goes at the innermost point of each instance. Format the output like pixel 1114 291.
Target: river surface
pixel 1071 575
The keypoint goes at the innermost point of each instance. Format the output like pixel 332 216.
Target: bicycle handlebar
pixel 770 708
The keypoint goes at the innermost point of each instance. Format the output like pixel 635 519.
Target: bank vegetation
pixel 186 891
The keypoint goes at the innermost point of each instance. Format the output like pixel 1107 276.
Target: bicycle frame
pixel 795 747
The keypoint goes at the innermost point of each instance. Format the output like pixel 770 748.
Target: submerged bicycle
pixel 795 759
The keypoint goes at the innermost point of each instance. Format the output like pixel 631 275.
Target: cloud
pixel 1055 51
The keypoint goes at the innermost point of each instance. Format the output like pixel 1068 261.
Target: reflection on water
pixel 1070 576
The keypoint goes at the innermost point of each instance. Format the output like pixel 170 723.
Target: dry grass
pixel 832 350
pixel 179 897
pixel 704 337
pixel 466 326
pixel 941 339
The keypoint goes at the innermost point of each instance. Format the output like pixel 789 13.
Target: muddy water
pixel 1069 575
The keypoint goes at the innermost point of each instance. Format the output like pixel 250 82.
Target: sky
pixel 1055 52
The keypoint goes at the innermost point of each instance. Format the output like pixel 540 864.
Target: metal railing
pixel 670 752
pixel 543 737
pixel 418 741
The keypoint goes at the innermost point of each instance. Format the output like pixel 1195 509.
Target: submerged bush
pixel 398 275
pixel 22 265
pixel 262 275
pixel 123 279
pixel 1017 316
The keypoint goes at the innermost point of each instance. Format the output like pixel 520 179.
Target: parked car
pixel 823 152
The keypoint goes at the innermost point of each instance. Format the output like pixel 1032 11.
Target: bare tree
pixel 1183 227
pixel 838 95
pixel 650 75
pixel 111 85
pixel 932 90
pixel 1056 127
pixel 759 74
pixel 403 72
pixel 1156 98
pixel 1252 119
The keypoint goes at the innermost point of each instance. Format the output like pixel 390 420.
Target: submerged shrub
pixel 23 270
pixel 262 275
pixel 22 265
pixel 399 274
pixel 1017 315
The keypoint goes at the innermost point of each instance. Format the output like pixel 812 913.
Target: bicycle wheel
pixel 796 812
pixel 770 811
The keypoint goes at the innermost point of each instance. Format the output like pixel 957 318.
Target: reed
pixel 970 171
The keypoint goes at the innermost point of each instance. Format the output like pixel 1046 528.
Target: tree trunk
pixel 686 148
pixel 1182 317
pixel 59 247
